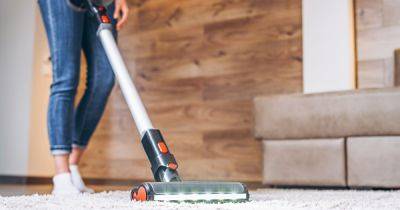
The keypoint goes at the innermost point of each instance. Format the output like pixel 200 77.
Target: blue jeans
pixel 68 33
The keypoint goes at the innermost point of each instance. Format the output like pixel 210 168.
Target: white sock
pixel 77 180
pixel 63 185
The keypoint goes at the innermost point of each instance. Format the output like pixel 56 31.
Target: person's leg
pixel 64 32
pixel 61 163
pixel 100 81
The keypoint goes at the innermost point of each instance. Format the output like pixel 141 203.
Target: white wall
pixel 328 45
pixel 17 22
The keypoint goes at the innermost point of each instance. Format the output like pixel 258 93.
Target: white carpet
pixel 261 199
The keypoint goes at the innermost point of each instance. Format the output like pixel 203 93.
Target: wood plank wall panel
pixel 378 30
pixel 198 64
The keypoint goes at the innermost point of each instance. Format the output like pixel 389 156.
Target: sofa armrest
pixel 368 112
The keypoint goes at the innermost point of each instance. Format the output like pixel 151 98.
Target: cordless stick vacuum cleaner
pixel 168 186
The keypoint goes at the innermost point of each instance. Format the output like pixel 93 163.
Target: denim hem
pixel 60 152
pixel 60 149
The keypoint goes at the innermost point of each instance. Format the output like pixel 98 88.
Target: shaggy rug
pixel 260 199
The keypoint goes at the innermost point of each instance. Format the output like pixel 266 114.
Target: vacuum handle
pixel 129 90
pixel 163 163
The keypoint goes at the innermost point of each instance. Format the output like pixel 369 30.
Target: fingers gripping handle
pixel 129 90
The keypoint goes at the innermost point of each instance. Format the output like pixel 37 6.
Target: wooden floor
pixel 20 189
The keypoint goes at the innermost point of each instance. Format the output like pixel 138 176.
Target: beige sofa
pixel 348 138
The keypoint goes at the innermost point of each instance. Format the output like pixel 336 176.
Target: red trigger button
pixel 105 19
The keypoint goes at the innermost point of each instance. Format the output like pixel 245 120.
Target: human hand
pixel 121 13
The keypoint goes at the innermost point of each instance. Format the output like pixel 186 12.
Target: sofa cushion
pixel 369 112
pixel 373 161
pixel 304 162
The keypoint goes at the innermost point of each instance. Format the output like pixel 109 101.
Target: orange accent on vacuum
pixel 105 19
pixel 172 166
pixel 141 194
pixel 162 147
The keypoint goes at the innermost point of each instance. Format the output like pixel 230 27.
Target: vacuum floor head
pixel 191 191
